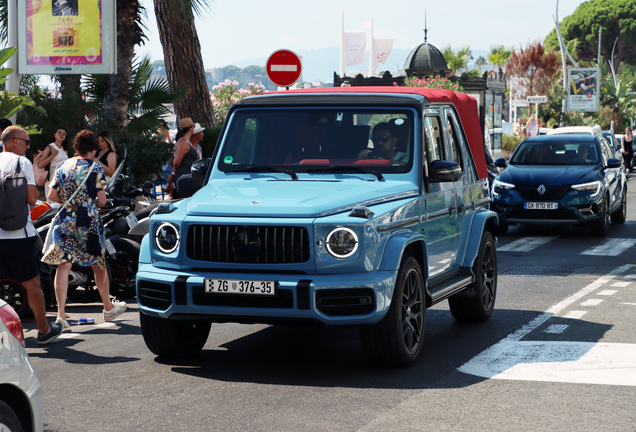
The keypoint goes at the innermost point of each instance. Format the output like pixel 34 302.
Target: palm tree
pixel 182 55
pixel 146 97
pixel 129 34
pixel 457 61
pixel 481 61
pixel 499 56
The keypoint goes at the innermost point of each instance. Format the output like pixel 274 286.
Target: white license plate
pixel 541 206
pixel 237 286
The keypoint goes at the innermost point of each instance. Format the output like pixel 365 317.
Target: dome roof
pixel 425 56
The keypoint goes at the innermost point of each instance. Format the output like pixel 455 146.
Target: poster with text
pixel 583 89
pixel 67 36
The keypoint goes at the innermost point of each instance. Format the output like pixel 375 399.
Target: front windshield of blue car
pixel 555 153
pixel 314 139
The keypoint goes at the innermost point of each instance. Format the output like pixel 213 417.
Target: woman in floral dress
pixel 78 232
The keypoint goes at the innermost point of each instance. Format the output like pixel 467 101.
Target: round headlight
pixel 167 238
pixel 342 242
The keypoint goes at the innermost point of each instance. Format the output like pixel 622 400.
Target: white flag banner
pixel 381 50
pixel 354 46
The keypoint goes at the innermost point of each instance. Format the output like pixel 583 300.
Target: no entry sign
pixel 283 67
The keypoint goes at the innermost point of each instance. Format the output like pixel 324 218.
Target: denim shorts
pixel 19 259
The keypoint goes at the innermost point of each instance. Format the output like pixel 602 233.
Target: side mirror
pixel 613 163
pixel 200 168
pixel 440 171
pixel 500 163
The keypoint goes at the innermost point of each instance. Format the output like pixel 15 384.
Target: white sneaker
pixel 64 323
pixel 118 308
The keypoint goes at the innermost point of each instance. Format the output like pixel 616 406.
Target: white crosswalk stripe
pixel 525 244
pixel 610 247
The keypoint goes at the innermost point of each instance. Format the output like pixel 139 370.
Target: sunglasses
pixel 61 133
pixel 28 142
pixel 383 138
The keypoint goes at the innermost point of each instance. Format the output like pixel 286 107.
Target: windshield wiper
pixel 256 168
pixel 347 168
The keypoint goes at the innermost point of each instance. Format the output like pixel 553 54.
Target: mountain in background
pixel 320 64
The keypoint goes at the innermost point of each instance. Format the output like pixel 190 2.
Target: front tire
pixel 124 266
pixel 397 339
pixel 8 419
pixel 478 302
pixel 173 338
pixel 601 227
pixel 620 215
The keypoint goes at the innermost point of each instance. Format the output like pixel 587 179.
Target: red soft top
pixel 466 108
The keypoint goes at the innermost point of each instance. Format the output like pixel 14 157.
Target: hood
pixel 553 175
pixel 291 198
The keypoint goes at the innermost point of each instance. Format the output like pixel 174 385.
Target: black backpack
pixel 14 210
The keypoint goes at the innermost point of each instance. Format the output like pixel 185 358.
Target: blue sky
pixel 235 30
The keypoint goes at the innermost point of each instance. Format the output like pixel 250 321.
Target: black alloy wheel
pixel 15 295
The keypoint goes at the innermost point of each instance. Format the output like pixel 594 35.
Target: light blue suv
pixel 358 206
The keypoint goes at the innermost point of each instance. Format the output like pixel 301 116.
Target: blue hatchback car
pixel 565 179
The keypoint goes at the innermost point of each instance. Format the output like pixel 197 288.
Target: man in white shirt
pixel 18 248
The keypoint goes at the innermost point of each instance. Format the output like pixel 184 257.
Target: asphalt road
pixel 559 353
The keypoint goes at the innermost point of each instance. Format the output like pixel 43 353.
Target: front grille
pixel 345 302
pixel 550 194
pixel 268 244
pixel 155 295
pixel 559 214
pixel 284 299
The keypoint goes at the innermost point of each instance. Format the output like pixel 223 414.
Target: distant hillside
pixel 320 64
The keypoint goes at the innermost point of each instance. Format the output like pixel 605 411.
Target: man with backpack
pixel 18 248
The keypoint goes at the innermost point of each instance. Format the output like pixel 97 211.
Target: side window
pixel 434 141
pixel 456 155
pixel 605 148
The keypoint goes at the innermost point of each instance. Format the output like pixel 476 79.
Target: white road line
pixel 576 314
pixel 631 304
pixel 68 335
pixel 525 244
pixel 106 324
pixel 578 362
pixel 632 276
pixel 620 284
pixel 556 328
pixel 607 292
pixel 610 247
pixel 592 302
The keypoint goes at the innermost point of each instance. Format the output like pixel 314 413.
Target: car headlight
pixel 594 186
pixel 342 242
pixel 167 238
pixel 499 186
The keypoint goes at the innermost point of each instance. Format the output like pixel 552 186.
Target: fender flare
pixel 482 221
pixel 144 251
pixel 394 250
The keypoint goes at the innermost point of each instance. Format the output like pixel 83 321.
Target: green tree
pixel 182 54
pixel 10 103
pixel 457 61
pixel 499 56
pixel 618 19
pixel 481 61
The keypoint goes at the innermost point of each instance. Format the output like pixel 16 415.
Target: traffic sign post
pixel 283 68
pixel 536 100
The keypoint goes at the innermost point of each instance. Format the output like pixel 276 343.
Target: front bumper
pixel 338 299
pixel 573 208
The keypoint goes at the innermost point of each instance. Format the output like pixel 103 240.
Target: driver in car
pixel 384 143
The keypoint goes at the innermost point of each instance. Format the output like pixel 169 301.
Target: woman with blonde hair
pixel 106 154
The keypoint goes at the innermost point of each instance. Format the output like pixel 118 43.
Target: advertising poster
pixel 583 89
pixel 66 36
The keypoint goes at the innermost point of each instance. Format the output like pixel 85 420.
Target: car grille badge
pixel 541 189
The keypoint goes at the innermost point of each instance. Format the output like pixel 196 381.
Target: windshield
pixel 552 153
pixel 305 139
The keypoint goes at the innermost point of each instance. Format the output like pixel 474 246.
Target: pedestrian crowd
pixel 76 235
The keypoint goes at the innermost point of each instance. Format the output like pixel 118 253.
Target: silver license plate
pixel 240 286
pixel 541 206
